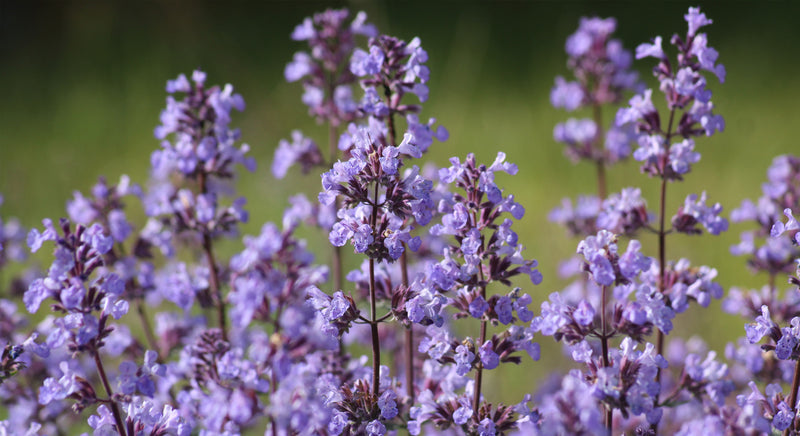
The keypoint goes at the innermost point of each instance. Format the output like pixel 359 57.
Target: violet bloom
pixel 86 303
pixel 202 141
pixel 199 145
pixel 580 219
pixel 624 212
pixel 391 69
pixel 105 206
pixel 694 211
pixel 602 69
pixel 380 199
pixel 773 255
pixel 604 263
pixel 302 150
pixel 483 199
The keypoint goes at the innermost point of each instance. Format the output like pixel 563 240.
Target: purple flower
pixel 623 213
pixel 376 428
pixel 53 389
pixel 463 358
pixel 696 20
pixel 488 357
pixel 486 427
pixel 387 404
pixel 567 95
pixel 694 211
pixel 762 327
pixel 584 313
pixel 596 250
pixel 478 307
pixel 632 262
pixel 301 150
pixel 650 50
pixel 641 106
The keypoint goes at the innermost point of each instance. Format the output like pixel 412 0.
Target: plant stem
pixel 409 335
pixel 114 406
pixel 476 401
pixel 601 166
pixel 662 244
pixel 604 344
pixel 376 346
pixel 215 287
pixel 793 397
pixel 409 332
pixel 216 293
pixel 148 330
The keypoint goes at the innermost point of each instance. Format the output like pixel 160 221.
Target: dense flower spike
pixel 688 100
pixel 202 141
pixel 87 305
pixel 393 68
pixel 324 72
pixel 624 213
pixel 602 69
pixel 632 294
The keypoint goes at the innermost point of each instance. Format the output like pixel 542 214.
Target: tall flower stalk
pixel 690 115
pixel 199 145
pixel 391 69
pixel 327 82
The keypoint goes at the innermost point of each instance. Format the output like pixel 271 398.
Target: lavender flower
pixel 324 74
pixel 379 197
pixel 694 211
pixel 601 67
pixel 12 235
pixel 685 90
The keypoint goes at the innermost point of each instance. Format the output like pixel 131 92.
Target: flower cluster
pixel 324 71
pixel 602 69
pixel 271 338
pixel 688 99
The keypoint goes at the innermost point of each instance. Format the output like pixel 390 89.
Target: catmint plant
pixel 87 296
pixel 668 153
pixel 154 331
pixel 199 146
pixel 663 288
pixel 601 68
pixel 328 84
pixel 485 251
pixel 392 69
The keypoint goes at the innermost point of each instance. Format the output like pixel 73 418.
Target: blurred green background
pixel 84 86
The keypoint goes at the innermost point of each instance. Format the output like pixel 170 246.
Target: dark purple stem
pixel 793 397
pixel 216 293
pixel 214 283
pixel 476 402
pixel 409 332
pixel 662 245
pixel 376 345
pixel 114 406
pixel 604 345
pixel 409 336
pixel 601 166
